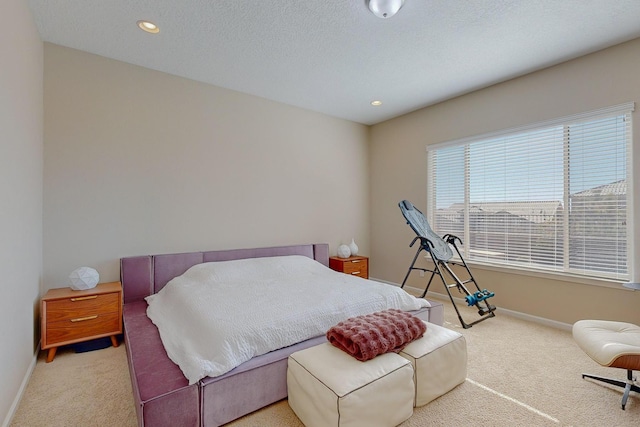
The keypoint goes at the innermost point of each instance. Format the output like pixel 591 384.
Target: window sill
pixel 561 277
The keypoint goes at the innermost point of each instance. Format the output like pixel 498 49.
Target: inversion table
pixel 441 254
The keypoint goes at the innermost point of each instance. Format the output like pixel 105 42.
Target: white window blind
pixel 550 196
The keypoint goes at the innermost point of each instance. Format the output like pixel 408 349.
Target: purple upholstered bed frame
pixel 162 394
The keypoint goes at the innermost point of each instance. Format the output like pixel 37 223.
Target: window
pixel 551 196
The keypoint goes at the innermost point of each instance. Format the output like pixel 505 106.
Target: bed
pixel 162 393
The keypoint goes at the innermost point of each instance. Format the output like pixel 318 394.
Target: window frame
pixel 566 272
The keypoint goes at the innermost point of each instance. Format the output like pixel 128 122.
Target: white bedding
pixel 218 315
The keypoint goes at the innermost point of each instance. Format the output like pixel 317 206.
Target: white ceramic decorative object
pixel 344 251
pixel 84 278
pixel 353 247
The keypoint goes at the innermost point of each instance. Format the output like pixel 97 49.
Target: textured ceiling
pixel 334 56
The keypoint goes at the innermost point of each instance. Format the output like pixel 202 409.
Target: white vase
pixel 353 247
pixel 344 251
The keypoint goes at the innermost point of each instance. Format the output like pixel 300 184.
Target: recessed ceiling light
pixel 376 103
pixel 148 26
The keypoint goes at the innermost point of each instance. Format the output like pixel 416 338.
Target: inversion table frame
pixel 440 251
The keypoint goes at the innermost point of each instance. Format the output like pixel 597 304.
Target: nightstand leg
pixel 51 354
pixel 114 340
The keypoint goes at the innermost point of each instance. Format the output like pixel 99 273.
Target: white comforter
pixel 218 315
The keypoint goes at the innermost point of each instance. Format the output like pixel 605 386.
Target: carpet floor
pixel 519 374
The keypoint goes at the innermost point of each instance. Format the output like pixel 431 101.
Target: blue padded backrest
pixel 420 225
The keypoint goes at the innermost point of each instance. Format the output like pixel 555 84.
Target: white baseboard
pixel 512 313
pixel 23 387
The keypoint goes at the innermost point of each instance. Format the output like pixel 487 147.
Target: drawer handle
pixel 82 319
pixel 355 272
pixel 356 260
pixel 84 298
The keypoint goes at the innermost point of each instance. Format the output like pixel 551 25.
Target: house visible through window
pixel 551 196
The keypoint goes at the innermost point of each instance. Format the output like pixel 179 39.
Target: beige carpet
pixel 519 374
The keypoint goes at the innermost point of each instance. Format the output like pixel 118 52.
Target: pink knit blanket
pixel 365 337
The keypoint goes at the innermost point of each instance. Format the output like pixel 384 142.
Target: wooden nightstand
pixel 354 265
pixel 69 316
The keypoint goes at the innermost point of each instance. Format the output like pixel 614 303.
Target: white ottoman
pixel 439 361
pixel 327 387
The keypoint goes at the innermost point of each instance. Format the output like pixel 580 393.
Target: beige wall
pixel 398 165
pixel 20 197
pixel 141 162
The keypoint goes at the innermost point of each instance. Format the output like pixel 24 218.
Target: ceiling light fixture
pixel 376 103
pixel 148 26
pixel 385 8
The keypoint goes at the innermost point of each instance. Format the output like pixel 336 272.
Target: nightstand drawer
pixel 82 306
pixel 82 327
pixel 355 266
pixel 360 273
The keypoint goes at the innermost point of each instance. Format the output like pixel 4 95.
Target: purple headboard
pixel 144 275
